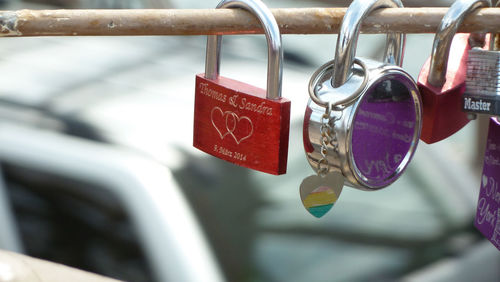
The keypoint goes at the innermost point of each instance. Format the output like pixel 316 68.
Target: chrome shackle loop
pixel 348 37
pixel 274 47
pixel 444 36
pixel 495 37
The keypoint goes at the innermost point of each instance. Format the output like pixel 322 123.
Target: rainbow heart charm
pixel 319 194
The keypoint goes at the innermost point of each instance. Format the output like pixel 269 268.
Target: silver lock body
pixel 482 83
pixel 375 144
pixel 483 72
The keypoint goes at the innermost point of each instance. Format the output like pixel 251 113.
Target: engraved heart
pixel 485 180
pixel 219 122
pixel 240 128
pixel 319 194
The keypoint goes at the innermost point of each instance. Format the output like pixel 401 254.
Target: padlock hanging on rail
pixel 373 108
pixel 442 79
pixel 482 88
pixel 238 122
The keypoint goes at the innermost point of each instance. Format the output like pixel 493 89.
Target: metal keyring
pixel 318 74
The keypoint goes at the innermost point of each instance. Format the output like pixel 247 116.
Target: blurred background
pixel 97 170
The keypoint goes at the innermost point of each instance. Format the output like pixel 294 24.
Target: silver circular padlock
pixel 373 109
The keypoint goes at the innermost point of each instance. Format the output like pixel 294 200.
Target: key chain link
pixel 328 137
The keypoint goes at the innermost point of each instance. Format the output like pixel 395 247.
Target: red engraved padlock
pixel 442 79
pixel 238 122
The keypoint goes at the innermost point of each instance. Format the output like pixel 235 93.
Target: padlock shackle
pixel 274 49
pixel 495 37
pixel 444 36
pixel 348 37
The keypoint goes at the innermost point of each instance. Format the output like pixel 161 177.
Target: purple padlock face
pixel 488 206
pixel 383 130
pixel 377 132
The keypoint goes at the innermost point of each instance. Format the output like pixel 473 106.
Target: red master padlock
pixel 238 122
pixel 442 79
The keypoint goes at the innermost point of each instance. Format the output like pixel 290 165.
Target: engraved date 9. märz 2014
pixel 226 152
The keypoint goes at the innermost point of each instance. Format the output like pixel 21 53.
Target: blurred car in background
pixel 98 171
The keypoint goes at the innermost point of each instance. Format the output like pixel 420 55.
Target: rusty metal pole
pixel 227 21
